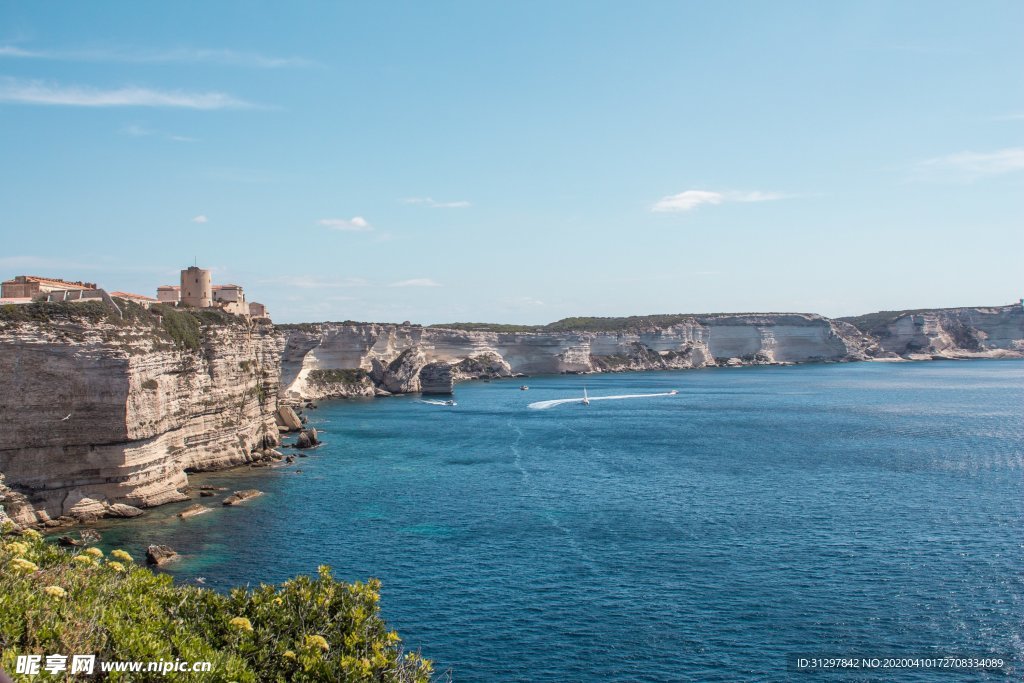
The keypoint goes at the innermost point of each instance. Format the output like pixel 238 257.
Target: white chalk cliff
pixel 97 413
pixel 394 354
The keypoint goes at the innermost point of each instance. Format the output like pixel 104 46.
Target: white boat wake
pixel 544 405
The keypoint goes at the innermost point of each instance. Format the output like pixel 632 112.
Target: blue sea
pixel 869 509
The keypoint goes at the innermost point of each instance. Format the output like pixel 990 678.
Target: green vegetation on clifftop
pixel 53 601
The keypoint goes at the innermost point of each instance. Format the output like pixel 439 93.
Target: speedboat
pixel 586 400
pixel 450 402
pixel 673 392
pixel 524 388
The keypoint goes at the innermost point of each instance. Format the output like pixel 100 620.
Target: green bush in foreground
pixel 307 629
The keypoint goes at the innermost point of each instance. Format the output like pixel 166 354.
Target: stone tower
pixel 196 287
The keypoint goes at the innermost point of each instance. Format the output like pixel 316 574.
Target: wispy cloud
pixel 691 199
pixel 973 165
pixel 200 219
pixel 178 55
pixel 354 224
pixel 39 92
pixel 11 51
pixel 137 131
pixel 415 282
pixel 434 204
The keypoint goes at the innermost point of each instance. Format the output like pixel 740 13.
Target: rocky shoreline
pixel 105 417
pixel 347 360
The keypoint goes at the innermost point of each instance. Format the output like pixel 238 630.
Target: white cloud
pixel 691 199
pixel 200 219
pixel 434 204
pixel 39 92
pixel 973 165
pixel 354 224
pixel 181 55
pixel 11 51
pixel 415 282
pixel 137 131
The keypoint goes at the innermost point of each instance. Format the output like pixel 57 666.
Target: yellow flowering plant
pixel 250 635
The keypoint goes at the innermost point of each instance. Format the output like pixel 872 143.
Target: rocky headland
pixel 106 412
pixel 330 360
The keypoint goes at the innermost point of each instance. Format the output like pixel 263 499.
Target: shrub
pixel 306 629
pixel 181 325
pixel 338 376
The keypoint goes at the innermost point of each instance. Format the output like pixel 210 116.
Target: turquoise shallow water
pixel 868 509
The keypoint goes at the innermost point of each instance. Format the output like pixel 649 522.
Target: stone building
pixel 31 286
pixel 168 294
pixel 231 298
pixel 196 287
pixel 198 291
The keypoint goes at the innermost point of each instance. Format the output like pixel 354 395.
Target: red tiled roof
pixel 129 295
pixel 54 282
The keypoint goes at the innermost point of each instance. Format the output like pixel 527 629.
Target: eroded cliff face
pixel 395 355
pixel 982 332
pixel 96 414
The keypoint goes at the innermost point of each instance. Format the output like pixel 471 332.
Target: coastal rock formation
pixel 307 439
pixel 287 418
pixel 401 375
pixel 983 332
pixel 100 411
pixel 160 554
pixel 487 365
pixel 394 356
pixel 437 378
pixel 193 510
pixel 239 497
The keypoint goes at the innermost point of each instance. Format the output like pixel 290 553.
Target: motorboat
pixel 586 399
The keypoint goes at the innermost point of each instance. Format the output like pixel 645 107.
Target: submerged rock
pixel 241 496
pixel 193 510
pixel 89 536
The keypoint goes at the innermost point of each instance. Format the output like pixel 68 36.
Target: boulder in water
pixel 241 496
pixel 160 554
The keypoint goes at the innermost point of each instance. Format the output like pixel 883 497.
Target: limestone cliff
pixel 982 332
pixel 99 410
pixel 394 356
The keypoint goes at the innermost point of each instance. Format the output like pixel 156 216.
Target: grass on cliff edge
pixel 53 601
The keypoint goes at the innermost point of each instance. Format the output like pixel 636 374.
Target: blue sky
pixel 520 162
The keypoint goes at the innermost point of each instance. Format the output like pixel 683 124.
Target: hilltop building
pixel 198 291
pixel 140 299
pixel 31 286
pixel 168 294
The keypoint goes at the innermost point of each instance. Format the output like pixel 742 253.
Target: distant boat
pixel 524 388
pixel 586 400
pixel 450 402
pixel 673 392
